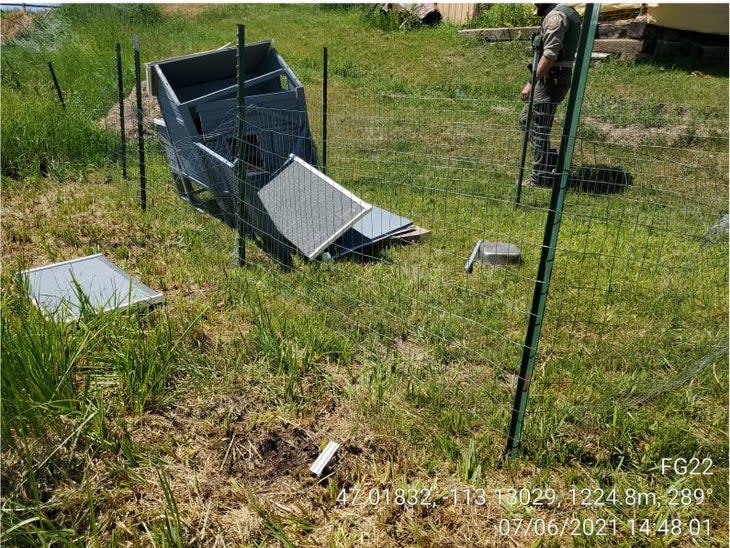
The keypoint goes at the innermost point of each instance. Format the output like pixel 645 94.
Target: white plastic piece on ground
pixel 60 289
pixel 498 253
pixel 469 266
pixel 324 457
pixel 494 253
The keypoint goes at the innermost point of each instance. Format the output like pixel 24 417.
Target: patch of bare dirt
pixel 636 135
pixel 410 351
pixel 233 469
pixel 183 9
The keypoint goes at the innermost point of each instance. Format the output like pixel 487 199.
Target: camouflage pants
pixel 547 97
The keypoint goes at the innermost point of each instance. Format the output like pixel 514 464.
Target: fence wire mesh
pixel 389 323
pixel 637 297
pixel 637 301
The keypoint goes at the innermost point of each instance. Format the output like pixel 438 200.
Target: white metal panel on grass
pixel 62 289
pixel 308 208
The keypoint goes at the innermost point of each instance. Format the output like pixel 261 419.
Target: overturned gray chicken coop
pixel 289 204
pixel 198 100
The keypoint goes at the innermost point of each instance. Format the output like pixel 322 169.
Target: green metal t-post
pixel 56 85
pixel 325 77
pixel 552 227
pixel 140 126
pixel 241 138
pixel 120 93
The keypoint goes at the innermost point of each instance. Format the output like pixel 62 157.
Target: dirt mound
pixel 150 109
pixel 13 23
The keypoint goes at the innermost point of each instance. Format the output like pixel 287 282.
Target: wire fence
pixel 377 256
pixel 640 282
pixel 641 277
pixel 636 303
pixel 635 265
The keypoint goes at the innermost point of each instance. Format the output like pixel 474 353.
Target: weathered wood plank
pixel 618 45
pixel 415 234
pixel 505 34
pixel 631 30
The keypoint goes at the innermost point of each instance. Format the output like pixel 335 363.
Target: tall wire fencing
pixel 636 306
pixel 637 303
pixel 638 291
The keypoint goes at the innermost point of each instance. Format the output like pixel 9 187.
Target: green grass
pixel 506 15
pixel 197 421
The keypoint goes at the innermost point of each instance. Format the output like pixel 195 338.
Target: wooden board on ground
pixel 618 45
pixel 619 30
pixel 415 234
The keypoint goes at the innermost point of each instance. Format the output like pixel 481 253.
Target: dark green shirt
pixel 559 32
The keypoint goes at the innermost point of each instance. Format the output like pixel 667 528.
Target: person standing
pixel 557 46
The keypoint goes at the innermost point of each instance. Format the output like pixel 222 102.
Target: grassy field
pixel 195 423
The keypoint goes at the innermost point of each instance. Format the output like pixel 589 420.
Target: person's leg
pixel 539 135
pixel 551 93
pixel 548 96
pixel 523 117
pixel 543 158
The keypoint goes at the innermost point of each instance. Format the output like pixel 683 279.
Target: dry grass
pixel 352 355
pixel 237 462
pixel 150 108
pixel 15 22
pixel 183 9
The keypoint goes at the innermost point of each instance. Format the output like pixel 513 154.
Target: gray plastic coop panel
pixel 197 97
pixel 288 203
pixel 377 225
pixel 308 208
pixel 59 289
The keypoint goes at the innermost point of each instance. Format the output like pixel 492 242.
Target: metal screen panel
pixel 309 208
pixel 376 226
pixel 59 289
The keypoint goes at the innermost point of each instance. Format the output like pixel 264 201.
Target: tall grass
pixel 55 373
pixel 505 15
pixel 66 388
pixel 38 135
pixel 48 366
pixel 172 530
pixel 41 360
pixel 375 353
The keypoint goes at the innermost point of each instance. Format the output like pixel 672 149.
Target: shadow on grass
pixel 600 179
pixel 374 252
pixel 713 67
pixel 595 179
